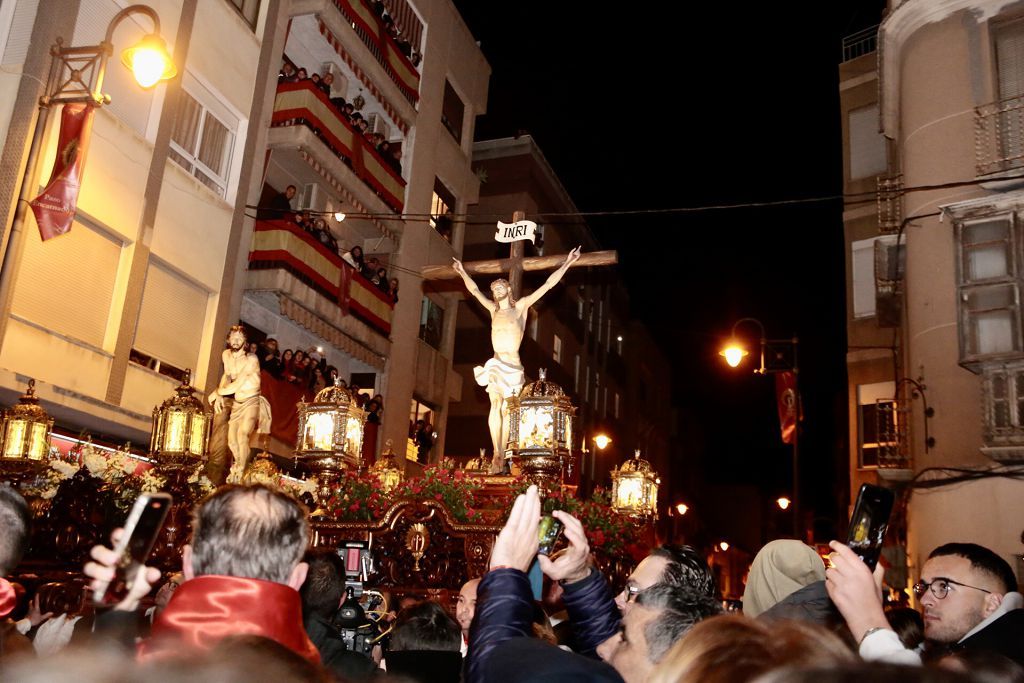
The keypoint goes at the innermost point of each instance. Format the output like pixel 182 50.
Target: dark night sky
pixel 689 105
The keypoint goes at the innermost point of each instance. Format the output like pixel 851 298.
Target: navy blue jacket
pixel 500 644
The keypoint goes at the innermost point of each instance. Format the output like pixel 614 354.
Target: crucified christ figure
pixel 503 374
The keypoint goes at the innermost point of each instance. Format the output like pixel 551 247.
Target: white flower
pixel 66 470
pixel 47 494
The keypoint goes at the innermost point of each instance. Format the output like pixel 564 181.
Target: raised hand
pixel 516 545
pixel 573 256
pixel 103 570
pixel 573 563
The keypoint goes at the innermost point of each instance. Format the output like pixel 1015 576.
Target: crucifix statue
pixel 503 374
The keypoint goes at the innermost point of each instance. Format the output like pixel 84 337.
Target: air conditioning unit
pixel 312 198
pixel 378 124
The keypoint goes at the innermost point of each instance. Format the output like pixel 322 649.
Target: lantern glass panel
pixel 14 438
pixel 536 427
pixel 568 432
pixel 196 434
pixel 354 436
pixel 319 432
pixel 630 493
pixel 174 431
pixel 39 446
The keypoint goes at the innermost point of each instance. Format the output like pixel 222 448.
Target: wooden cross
pixel 517 262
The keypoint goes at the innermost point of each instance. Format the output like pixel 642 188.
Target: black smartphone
pixel 140 532
pixel 869 521
pixel 548 532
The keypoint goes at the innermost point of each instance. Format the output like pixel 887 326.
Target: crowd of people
pixel 310 369
pixel 279 207
pixel 390 153
pixel 254 602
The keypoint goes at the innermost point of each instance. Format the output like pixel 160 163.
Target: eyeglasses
pixel 631 592
pixel 940 587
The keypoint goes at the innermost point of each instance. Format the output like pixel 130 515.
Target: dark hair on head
pixel 686 567
pixel 985 666
pixel 981 558
pixel 324 585
pixel 15 523
pixel 908 624
pixel 426 626
pixel 681 607
pixel 857 672
pixel 250 531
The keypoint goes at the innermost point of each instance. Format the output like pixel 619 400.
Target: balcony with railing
pixel 861 43
pixel 394 55
pixel 999 138
pixel 322 290
pixel 305 118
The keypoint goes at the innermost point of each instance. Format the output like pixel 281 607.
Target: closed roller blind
pixel 66 284
pixel 173 314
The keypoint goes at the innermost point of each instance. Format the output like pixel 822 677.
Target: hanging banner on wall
pixel 54 208
pixel 785 392
pixel 516 232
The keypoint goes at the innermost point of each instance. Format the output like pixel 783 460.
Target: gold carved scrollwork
pixel 417 539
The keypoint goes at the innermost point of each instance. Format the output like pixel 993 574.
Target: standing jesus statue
pixel 503 374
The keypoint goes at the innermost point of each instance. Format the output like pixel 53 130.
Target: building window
pixel 576 374
pixel 618 345
pixel 877 434
pixel 431 323
pixel 873 264
pixel 579 308
pixel 442 204
pixel 203 138
pixel 169 302
pixel 249 9
pixel 604 403
pixel 867 144
pixel 1003 391
pixel 556 349
pixel 616 405
pixel 452 112
pixel 531 325
pixel 989 289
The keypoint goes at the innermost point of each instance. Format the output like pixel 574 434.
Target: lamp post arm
pixel 760 326
pixel 107 46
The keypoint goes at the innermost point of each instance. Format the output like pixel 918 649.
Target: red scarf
pixel 8 598
pixel 208 608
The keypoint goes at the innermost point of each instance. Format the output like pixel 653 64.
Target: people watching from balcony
pixel 301 74
pixel 354 257
pixel 287 73
pixel 279 207
pixel 393 289
pixel 369 269
pixel 325 83
pixel 381 279
pixel 270 356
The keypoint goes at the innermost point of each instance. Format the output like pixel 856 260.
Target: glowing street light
pixel 682 508
pixel 149 61
pixel 783 503
pixel 723 546
pixel 602 441
pixel 733 354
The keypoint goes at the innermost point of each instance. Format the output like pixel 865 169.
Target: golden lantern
pixel 541 429
pixel 387 469
pixel 330 437
pixel 635 488
pixel 26 430
pixel 181 428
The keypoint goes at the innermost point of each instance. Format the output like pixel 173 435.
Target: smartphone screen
pixel 140 532
pixel 869 522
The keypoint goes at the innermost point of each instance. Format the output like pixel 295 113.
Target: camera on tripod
pixel 359 631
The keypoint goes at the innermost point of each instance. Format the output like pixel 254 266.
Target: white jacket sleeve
pixel 885 646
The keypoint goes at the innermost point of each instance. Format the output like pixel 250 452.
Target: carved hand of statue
pixel 217 401
pixel 457 265
pixel 573 563
pixel 573 256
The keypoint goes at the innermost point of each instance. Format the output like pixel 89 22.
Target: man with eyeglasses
pixel 968 597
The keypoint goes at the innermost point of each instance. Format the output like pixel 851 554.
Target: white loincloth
pixel 499 376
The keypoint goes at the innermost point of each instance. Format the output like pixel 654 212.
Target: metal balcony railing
pixel 860 43
pixel 890 204
pixel 370 28
pixel 892 418
pixel 999 136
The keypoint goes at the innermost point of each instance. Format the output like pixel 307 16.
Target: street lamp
pixel 783 503
pixel 682 509
pixel 602 441
pixel 778 357
pixel 76 77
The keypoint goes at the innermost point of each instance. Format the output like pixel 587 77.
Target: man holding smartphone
pixel 242 573
pixel 968 596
